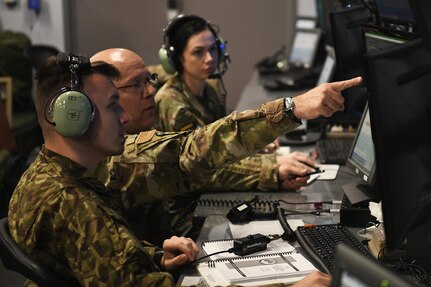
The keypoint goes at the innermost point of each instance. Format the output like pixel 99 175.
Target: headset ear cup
pixel 222 49
pixel 165 58
pixel 72 113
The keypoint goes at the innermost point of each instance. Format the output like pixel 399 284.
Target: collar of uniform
pixel 72 167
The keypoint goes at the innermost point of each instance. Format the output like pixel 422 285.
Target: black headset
pixel 167 52
pixel 70 110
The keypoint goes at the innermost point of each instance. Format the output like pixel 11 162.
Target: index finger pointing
pixel 342 85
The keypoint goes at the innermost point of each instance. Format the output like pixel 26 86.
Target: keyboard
pixel 319 243
pixel 334 150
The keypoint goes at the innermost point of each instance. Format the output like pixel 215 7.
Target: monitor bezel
pixel 349 46
pixel 423 22
pixel 352 165
pixel 366 269
pixel 397 167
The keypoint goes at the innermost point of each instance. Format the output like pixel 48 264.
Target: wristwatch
pixel 289 106
pixel 158 257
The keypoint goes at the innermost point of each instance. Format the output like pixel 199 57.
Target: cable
pixel 288 234
pixel 244 246
pixel 371 9
pixel 417 273
pixel 312 202
pixel 230 250
pixel 318 205
pixel 313 212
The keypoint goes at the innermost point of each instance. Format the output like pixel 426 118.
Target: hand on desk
pixel 178 251
pixel 293 170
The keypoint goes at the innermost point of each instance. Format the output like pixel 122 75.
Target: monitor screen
pixel 361 161
pixel 306 8
pixel 304 48
pixel 346 26
pixel 400 113
pixel 353 269
pixel 377 40
pixel 328 68
pixel 395 11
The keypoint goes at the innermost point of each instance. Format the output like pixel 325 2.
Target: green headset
pixel 167 55
pixel 70 110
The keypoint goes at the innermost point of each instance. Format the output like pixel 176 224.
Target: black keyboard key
pixel 320 242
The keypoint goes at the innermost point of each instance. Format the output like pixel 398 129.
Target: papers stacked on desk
pixel 280 262
pixel 286 267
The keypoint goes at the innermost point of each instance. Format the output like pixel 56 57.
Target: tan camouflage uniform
pixel 179 110
pixel 64 218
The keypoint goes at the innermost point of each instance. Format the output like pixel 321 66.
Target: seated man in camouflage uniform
pixel 157 175
pixel 64 218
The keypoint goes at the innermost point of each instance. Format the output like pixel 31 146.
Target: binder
pixel 283 267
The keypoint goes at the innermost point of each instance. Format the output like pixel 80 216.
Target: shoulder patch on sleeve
pixel 145 136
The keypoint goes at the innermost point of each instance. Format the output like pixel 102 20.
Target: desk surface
pixel 216 225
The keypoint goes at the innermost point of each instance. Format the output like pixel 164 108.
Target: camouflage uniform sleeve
pixel 256 172
pixel 109 254
pixel 233 138
pixel 174 115
pixel 157 165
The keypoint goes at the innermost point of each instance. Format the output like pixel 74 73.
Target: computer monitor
pixel 400 111
pixel 421 10
pixel 304 47
pixel 328 67
pixel 395 11
pixel 379 39
pixel 306 9
pixel 348 40
pixel 361 161
pixel 352 269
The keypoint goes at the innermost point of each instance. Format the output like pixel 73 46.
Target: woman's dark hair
pixel 178 36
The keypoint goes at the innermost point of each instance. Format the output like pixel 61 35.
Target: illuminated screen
pixel 304 48
pixel 362 155
pixel 397 11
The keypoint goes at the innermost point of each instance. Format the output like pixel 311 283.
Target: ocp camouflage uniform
pixel 65 218
pixel 178 109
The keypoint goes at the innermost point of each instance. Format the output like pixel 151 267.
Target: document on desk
pixel 213 246
pixel 329 171
pixel 286 267
pixel 264 227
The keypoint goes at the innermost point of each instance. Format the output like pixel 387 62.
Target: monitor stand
pixel 358 194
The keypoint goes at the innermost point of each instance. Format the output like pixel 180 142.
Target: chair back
pixel 15 259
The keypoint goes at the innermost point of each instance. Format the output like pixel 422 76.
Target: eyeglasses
pixel 139 84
